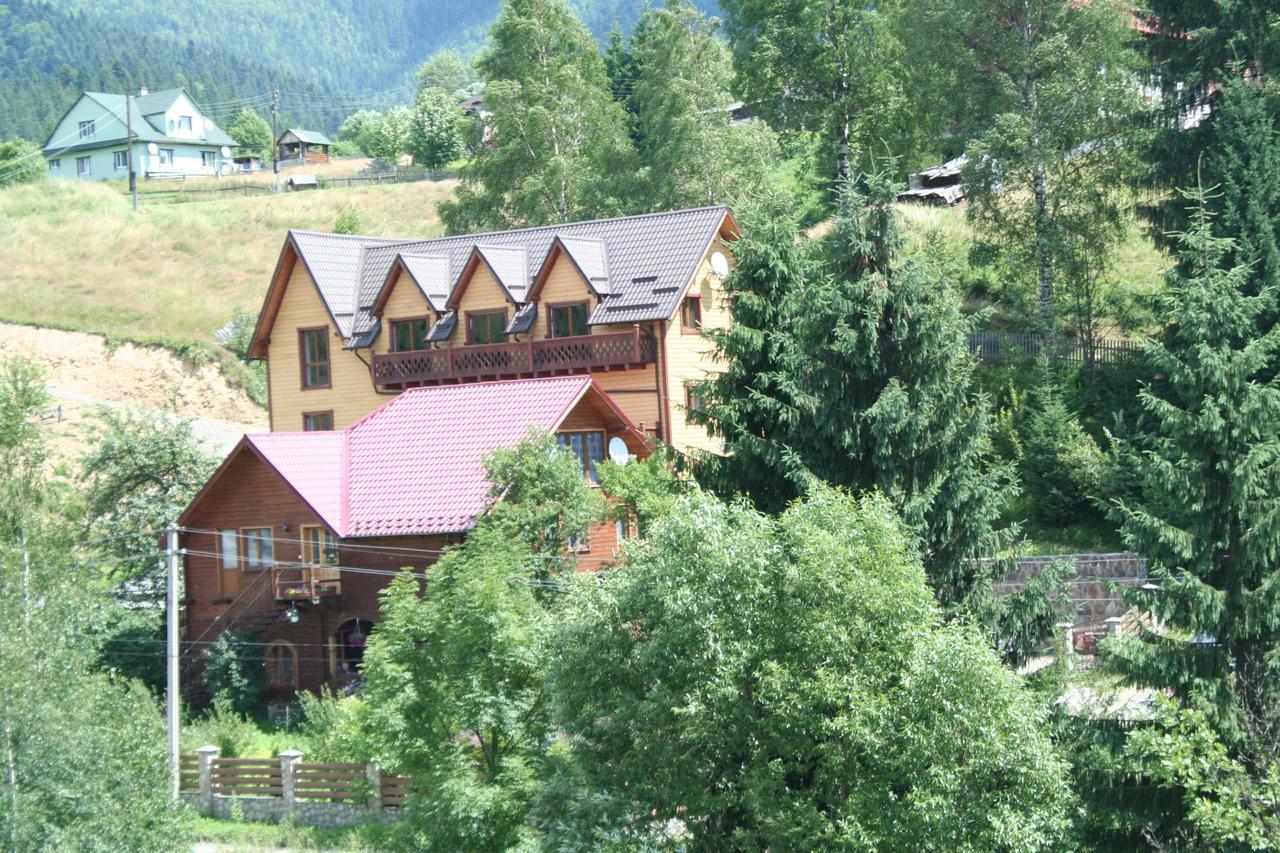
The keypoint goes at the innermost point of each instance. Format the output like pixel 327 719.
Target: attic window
pixel 86 129
pixel 691 314
pixel 184 123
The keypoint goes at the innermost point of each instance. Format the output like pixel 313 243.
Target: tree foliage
pixel 447 70
pixel 693 154
pixel 557 135
pixel 82 752
pixel 786 684
pixel 252 133
pixel 436 134
pixel 1207 463
pixel 20 162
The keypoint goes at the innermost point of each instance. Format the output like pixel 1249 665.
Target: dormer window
pixel 86 129
pixel 487 327
pixel 567 321
pixel 409 335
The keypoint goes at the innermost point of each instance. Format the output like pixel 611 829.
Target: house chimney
pixel 142 91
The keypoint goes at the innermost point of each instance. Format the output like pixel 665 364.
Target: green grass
pixel 76 257
pixel 246 836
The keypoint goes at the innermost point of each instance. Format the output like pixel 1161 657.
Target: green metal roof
pixel 143 130
pixel 311 137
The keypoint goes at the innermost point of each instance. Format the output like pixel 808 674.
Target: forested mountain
pixel 328 57
pixel 47 58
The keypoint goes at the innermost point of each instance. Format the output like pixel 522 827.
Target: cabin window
pixel 691 314
pixel 487 327
pixel 121 159
pixel 587 446
pixel 317 421
pixel 282 665
pixel 184 123
pixel 208 159
pixel 229 547
pixel 86 129
pixel 624 529
pixel 348 645
pixel 580 544
pixel 693 397
pixel 313 346
pixel 84 166
pixel 55 163
pixel 320 551
pixel 409 335
pixel 259 549
pixel 568 321
pixel 166 156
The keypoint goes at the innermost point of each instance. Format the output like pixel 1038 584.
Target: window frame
pixel 489 312
pixel 164 156
pixel 559 306
pixel 274 650
pixel 209 159
pixel 187 123
pixel 56 163
pixel 302 357
pixel 324 413
pixel 405 321
pixel 256 564
pixel 692 396
pixel 688 302
pixel 87 162
pixel 120 159
pixel 88 129
pixel 585 457
pixel 326 540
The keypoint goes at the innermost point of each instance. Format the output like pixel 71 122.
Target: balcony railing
pixel 581 354
pixel 306 583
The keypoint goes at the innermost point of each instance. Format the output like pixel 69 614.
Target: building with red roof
pixel 296 533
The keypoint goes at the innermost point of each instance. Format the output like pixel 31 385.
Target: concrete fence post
pixel 288 778
pixel 374 775
pixel 204 757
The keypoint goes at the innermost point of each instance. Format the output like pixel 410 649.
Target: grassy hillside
pixel 76 257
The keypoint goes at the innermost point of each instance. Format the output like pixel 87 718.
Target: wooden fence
pixel 228 188
pixel 333 782
pixel 995 347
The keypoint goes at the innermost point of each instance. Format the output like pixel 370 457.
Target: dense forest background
pixel 328 57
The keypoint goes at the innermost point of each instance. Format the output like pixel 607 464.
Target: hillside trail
pixel 84 373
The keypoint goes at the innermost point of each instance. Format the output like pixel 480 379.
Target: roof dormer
pixel 430 274
pixel 589 256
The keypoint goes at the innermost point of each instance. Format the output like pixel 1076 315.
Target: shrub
pixel 331 725
pixel 348 221
pixel 234 674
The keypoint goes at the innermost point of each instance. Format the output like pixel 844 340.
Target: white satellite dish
pixel 719 264
pixel 226 151
pixel 618 451
pixel 152 148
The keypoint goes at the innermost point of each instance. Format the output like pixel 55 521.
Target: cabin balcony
pixel 581 354
pixel 315 584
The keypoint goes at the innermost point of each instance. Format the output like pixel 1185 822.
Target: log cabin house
pixel 296 533
pixel 394 366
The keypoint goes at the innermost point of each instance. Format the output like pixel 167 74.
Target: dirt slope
pixel 83 372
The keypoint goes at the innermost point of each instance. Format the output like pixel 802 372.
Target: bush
pixel 331 726
pixel 348 221
pixel 234 674
pixel 20 162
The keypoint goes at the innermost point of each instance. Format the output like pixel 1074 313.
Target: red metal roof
pixel 416 465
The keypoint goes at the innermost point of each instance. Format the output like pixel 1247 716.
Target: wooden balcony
pixel 305 583
pixel 582 354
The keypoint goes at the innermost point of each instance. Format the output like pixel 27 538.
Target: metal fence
pixel 995 347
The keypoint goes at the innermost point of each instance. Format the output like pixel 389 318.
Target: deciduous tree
pixel 252 133
pixel 436 135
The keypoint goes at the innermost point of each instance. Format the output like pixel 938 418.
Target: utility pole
pixel 275 150
pixel 171 630
pixel 128 124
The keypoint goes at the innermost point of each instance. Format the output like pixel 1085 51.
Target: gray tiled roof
pixel 645 262
pixel 432 275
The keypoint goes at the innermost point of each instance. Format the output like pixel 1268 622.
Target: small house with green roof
pixel 172 138
pixel 305 146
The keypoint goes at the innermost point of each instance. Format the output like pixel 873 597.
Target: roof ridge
pixel 389 240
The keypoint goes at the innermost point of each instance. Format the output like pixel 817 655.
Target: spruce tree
pixel 748 405
pixel 887 393
pixel 1207 514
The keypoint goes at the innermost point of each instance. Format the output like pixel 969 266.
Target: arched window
pixel 282 665
pixel 348 645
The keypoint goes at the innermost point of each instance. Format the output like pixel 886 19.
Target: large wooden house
pixel 395 366
pixel 296 533
pixel 349 321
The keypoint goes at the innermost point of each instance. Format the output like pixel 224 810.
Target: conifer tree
pixel 1207 515
pixel 557 134
pixel 748 405
pixel 1207 464
pixel 887 394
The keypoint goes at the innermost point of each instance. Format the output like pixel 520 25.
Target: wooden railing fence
pixel 995 347
pixel 289 779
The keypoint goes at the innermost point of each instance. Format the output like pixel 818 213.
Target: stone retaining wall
pixel 1092 595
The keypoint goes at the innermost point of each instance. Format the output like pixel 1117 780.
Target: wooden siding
pixel 689 355
pixel 350 394
pixel 483 293
pixel 565 284
pixel 405 301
